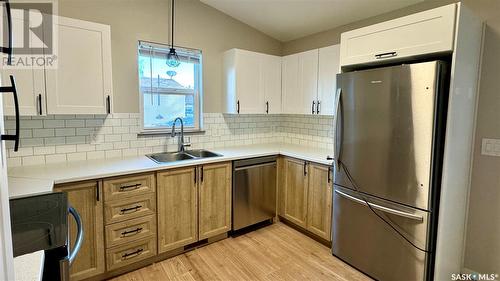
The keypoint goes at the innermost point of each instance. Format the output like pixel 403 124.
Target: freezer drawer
pixel 254 191
pixel 363 240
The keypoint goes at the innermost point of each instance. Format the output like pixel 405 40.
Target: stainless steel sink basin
pixel 201 153
pixel 170 157
pixel 166 157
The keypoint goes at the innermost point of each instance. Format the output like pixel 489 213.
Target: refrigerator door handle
pixel 380 208
pixel 338 102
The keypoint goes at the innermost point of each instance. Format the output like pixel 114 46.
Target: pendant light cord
pixel 172 16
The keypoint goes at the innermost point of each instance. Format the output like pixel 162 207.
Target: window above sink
pixel 169 92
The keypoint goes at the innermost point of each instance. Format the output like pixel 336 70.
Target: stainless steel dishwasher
pixel 254 191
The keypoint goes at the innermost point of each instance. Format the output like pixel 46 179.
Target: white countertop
pixel 29 180
pixel 29 267
pixel 20 187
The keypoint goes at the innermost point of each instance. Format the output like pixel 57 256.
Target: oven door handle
pixel 79 235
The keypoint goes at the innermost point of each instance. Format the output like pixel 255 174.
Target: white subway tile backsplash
pixel 76 140
pixel 55 141
pixel 85 147
pixel 75 123
pixel 61 138
pixel 104 146
pixel 14 161
pixel 84 131
pixel 65 132
pixel 41 133
pixel 54 123
pixel 77 156
pixel 34 160
pixel 94 122
pixel 23 151
pixel 130 152
pixel 113 153
pixel 44 150
pixel 55 158
pixel 30 124
pixel 121 145
pixel 95 155
pixel 69 148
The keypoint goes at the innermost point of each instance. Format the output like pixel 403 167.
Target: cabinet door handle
pixel 132 254
pixel 201 174
pixel 40 112
pixel 133 232
pixel 313 107
pixel 130 187
pixel 133 209
pixel 108 104
pixel 305 168
pixel 267 107
pixel 195 174
pixel 329 174
pixel 97 197
pixel 238 107
pixel 12 89
pixel 8 50
pixel 318 107
pixel 386 55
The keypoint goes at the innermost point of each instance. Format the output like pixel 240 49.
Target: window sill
pixel 168 132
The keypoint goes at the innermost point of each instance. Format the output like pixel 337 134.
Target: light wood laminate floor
pixel 275 252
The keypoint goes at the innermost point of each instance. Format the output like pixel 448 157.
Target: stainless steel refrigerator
pixel 390 126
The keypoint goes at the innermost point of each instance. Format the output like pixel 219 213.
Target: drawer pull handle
pixel 132 254
pixel 133 232
pixel 133 209
pixel 130 187
pixel 386 55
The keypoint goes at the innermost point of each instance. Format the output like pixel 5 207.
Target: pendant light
pixel 172 57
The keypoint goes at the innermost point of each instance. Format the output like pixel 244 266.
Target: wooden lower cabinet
pixel 177 207
pixel 305 195
pixel 86 198
pixel 153 214
pixel 319 205
pixel 214 199
pixel 130 253
pixel 295 191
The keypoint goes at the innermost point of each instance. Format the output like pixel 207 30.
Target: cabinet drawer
pixel 427 32
pixel 131 230
pixel 130 253
pixel 130 208
pixel 122 187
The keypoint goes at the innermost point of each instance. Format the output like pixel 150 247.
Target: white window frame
pixel 197 92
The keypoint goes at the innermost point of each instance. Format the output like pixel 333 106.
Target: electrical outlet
pixel 490 147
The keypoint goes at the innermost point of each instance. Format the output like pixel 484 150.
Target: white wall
pixel 196 26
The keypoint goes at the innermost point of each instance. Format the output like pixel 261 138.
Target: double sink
pixel 167 157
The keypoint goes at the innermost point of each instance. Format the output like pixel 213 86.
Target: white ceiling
pixel 286 20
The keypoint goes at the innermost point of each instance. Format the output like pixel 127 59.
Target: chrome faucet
pixel 180 142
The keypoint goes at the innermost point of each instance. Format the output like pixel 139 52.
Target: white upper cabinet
pixel 271 82
pixel 422 33
pixel 329 67
pixel 82 81
pixel 29 79
pixel 252 82
pixel 300 82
